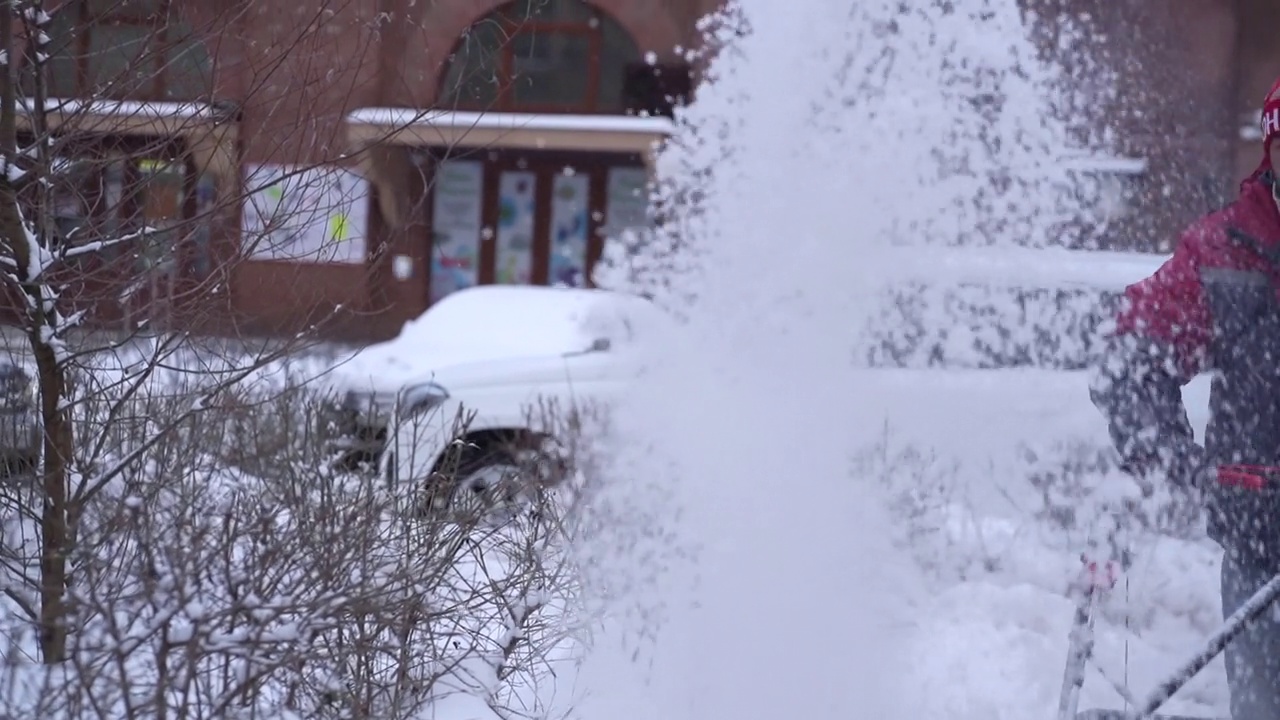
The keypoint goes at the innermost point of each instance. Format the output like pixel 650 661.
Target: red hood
pixel 1255 211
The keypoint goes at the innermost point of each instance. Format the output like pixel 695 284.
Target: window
pixel 135 49
pixel 541 56
pixel 102 190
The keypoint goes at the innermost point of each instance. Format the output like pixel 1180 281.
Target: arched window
pixel 135 49
pixel 541 56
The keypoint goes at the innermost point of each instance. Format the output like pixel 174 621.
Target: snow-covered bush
pixel 209 579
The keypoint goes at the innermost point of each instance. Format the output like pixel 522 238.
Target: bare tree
pixel 182 544
pixel 64 279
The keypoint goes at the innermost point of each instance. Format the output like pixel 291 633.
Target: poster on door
pixel 513 264
pixel 456 226
pixel 569 225
pixel 627 201
pixel 305 214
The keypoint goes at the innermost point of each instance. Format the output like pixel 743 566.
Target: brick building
pixel 480 140
pixel 497 141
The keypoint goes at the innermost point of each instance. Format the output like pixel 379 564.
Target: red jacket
pixel 1213 306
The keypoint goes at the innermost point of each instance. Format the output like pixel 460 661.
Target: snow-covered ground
pixel 992 643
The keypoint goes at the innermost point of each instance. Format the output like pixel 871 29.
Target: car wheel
pixel 492 485
pixel 479 481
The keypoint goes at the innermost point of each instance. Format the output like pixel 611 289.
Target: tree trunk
pixel 55 532
pixel 41 321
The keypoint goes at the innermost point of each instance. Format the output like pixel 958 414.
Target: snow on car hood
pixel 492 331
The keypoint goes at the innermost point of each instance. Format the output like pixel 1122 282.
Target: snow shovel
pixel 1098 579
pixel 1094 580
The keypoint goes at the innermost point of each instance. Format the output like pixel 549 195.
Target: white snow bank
pixel 996 645
pixel 1021 267
pixel 991 640
pixel 982 413
pixel 123 108
pixel 421 117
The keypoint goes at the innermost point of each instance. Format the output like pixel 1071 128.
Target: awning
pixel 209 129
pixel 124 117
pixel 528 131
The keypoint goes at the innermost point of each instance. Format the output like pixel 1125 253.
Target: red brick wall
pixel 361 53
pixel 1174 73
pixel 1258 67
pixel 300 68
pixel 1187 69
pixel 428 32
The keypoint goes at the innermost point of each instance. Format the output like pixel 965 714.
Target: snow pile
pixel 981 466
pixel 994 645
pixel 979 498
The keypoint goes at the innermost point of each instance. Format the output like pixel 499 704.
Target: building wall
pixel 1187 74
pixel 298 67
pixel 1168 74
pixel 1258 68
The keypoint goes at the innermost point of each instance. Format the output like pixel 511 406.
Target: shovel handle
pixel 1239 621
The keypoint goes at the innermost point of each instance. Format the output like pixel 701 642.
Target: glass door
pixel 161 198
pixel 515 217
pixel 569 218
pixel 457 226
pixel 518 228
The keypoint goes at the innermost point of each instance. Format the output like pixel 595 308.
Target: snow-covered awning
pixel 530 131
pixel 124 117
pixel 208 129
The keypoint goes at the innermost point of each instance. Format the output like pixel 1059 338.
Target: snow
pixel 421 117
pixel 802 538
pixel 1107 164
pixel 781 533
pixel 37 16
pixel 1020 267
pixel 122 108
pixel 1252 131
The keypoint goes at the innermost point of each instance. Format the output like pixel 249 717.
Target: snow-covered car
pixel 491 353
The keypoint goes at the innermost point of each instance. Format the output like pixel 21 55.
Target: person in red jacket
pixel 1214 306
